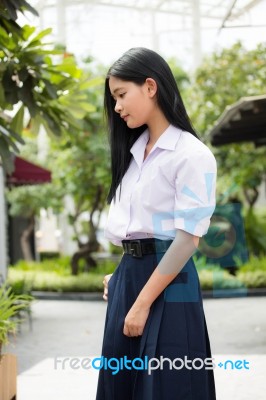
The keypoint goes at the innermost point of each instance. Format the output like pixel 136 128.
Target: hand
pixel 105 284
pixel 135 320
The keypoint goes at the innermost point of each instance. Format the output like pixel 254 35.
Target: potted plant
pixel 11 305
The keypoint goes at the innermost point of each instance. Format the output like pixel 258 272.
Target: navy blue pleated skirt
pixel 175 330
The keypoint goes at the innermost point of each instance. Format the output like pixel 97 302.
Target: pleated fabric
pixel 175 328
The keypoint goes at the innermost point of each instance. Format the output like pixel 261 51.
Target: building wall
pixel 3 230
pixel 261 202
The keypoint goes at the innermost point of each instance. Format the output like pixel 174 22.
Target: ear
pixel 151 87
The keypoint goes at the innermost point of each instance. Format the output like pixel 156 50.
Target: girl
pixel 162 196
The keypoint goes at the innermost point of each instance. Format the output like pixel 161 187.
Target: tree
pixel 27 201
pixel 36 80
pixel 39 85
pixel 82 169
pixel 222 79
pixel 181 77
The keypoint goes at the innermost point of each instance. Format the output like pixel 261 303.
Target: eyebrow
pixel 117 89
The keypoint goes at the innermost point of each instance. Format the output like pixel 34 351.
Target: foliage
pixel 218 279
pixel 222 79
pixel 55 275
pixel 253 279
pixel 81 164
pixel 10 305
pixel 202 264
pixel 81 158
pixel 9 15
pixel 254 264
pixel 115 249
pixel 35 80
pixel 181 77
pixel 50 281
pixel 255 228
pixel 59 266
pixel 28 200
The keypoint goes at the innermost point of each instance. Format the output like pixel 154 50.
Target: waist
pixel 140 247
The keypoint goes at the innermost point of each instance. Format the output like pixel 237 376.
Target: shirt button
pixel 128 235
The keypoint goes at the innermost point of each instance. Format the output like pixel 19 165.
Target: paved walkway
pixel 74 329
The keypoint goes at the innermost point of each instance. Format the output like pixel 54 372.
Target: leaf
pixel 11 26
pixel 29 8
pixel 2 96
pixel 91 83
pixel 23 74
pixel 50 122
pixel 88 107
pixel 3 33
pixel 35 124
pixel 77 112
pixel 17 122
pixel 12 12
pixel 10 87
pixel 41 35
pixel 6 156
pixel 4 130
pixel 16 136
pixel 51 89
pixel 9 141
pixel 25 94
pixel 27 31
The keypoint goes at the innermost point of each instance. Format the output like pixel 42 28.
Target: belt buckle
pixel 136 251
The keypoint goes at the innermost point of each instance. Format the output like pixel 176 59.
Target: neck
pixel 157 125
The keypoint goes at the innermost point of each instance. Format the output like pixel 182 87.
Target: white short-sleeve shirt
pixel 173 188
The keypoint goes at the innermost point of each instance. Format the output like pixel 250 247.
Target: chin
pixel 133 125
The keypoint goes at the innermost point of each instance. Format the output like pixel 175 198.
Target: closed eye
pixel 121 95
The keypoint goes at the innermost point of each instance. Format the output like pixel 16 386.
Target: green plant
pixel 115 249
pixel 254 264
pixel 201 263
pixel 255 228
pixel 10 306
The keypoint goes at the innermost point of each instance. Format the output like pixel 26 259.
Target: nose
pixel 118 107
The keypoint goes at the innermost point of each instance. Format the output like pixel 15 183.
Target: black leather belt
pixel 140 247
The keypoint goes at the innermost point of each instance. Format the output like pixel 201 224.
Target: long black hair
pixel 136 65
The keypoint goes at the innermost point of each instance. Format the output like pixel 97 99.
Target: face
pixel 134 103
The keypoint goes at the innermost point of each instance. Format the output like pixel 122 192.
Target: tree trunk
pixel 92 245
pixel 84 253
pixel 25 240
pixel 251 195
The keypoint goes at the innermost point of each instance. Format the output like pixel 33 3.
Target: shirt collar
pixel 166 141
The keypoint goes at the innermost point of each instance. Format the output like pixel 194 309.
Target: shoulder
pixel 191 150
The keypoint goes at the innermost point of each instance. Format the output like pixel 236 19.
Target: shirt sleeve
pixel 195 193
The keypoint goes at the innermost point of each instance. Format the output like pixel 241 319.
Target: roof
pixel 27 173
pixel 243 121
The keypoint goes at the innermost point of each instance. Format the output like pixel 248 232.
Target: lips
pixel 124 117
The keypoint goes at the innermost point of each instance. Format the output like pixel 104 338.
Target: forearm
pixel 181 249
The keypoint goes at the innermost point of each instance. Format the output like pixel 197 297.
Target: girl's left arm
pixel 181 249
